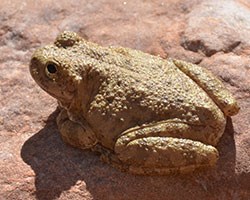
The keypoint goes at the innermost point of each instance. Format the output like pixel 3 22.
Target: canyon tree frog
pixel 143 113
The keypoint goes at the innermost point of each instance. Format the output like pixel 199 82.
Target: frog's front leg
pixel 74 133
pixel 158 150
pixel 213 86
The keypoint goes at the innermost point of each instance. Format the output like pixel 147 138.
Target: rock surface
pixel 36 164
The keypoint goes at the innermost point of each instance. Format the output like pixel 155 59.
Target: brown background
pixel 36 164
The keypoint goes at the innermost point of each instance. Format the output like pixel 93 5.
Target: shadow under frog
pixel 58 167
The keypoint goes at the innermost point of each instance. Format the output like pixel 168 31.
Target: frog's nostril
pixel 34 61
pixel 51 68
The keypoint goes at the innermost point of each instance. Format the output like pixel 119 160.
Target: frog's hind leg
pixel 213 86
pixel 165 155
pixel 158 150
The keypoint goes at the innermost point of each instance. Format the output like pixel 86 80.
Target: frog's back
pixel 140 88
pixel 161 82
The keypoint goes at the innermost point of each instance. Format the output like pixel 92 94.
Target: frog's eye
pixel 51 70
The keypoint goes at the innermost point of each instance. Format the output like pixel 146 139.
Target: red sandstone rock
pixel 36 164
pixel 217 26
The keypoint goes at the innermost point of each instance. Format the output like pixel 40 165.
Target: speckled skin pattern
pixel 144 114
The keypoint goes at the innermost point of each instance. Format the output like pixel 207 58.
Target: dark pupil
pixel 51 68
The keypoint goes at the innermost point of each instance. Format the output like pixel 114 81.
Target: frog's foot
pixel 73 133
pixel 158 150
pixel 109 157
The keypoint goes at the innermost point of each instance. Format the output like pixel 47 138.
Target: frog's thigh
pixel 74 133
pixel 153 153
pixel 213 86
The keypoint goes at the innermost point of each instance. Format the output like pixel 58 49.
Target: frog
pixel 143 114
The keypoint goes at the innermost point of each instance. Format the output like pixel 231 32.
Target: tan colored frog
pixel 146 115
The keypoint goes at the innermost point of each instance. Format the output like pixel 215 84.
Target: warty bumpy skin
pixel 144 114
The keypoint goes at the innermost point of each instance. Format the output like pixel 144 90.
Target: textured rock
pixel 217 26
pixel 36 164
